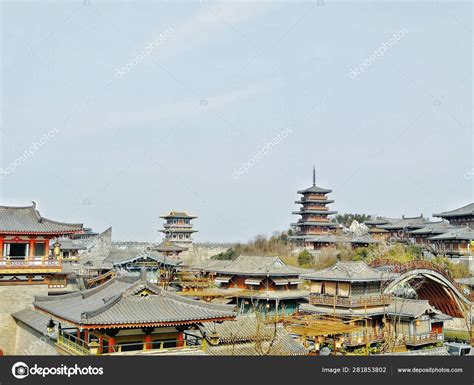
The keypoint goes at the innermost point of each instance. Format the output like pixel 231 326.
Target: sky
pixel 114 113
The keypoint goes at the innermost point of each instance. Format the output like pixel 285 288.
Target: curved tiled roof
pixel 28 220
pixel 252 265
pixel 118 302
pixel 241 337
pixel 467 210
pixel 178 214
pixel 314 190
pixel 346 271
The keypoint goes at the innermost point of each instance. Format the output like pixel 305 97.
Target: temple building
pixel 178 228
pixel 249 335
pixel 400 230
pixel 314 221
pixel 422 236
pixel 463 216
pixel 122 315
pixel 255 283
pixel 454 243
pixel 25 247
pixel 353 292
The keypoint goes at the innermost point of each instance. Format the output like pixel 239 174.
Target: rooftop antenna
pixel 314 175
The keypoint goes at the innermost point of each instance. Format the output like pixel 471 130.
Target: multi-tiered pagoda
pixel 178 228
pixel 314 212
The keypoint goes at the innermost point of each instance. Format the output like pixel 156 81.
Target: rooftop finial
pixel 314 175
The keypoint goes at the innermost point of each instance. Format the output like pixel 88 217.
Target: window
pixel 17 249
pixel 39 249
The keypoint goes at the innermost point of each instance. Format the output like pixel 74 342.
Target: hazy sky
pixel 203 100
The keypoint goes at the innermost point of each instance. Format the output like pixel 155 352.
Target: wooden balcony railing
pixel 29 263
pixel 366 300
pixel 423 339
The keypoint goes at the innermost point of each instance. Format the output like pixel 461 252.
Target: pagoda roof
pixel 352 271
pixel 252 265
pixel 319 224
pixel 28 220
pixel 120 302
pixel 406 222
pixel 459 233
pixel 321 201
pixel 178 214
pixel 314 190
pixel 465 211
pixel 322 212
pixel 178 230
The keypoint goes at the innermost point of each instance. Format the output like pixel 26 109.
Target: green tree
pixel 346 219
pixel 305 258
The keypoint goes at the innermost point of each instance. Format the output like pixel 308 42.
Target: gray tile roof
pixel 314 190
pixel 380 221
pixel 28 220
pixel 411 308
pixel 67 244
pixel 252 265
pixel 118 257
pixel 37 321
pixel 242 336
pixel 415 222
pixel 118 302
pixel 434 228
pixel 459 234
pixel 467 210
pixel 178 214
pixel 346 271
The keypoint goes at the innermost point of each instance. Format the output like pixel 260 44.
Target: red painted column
pixel 46 248
pixel 101 343
pixel 111 344
pixel 1 247
pixel 147 345
pixel 180 342
pixel 32 248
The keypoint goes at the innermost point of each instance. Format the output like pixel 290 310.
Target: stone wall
pixel 13 299
pixel 29 342
pixel 199 252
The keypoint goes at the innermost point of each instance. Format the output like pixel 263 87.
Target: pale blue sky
pixel 395 140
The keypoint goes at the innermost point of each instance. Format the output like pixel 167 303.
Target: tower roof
pixel 178 214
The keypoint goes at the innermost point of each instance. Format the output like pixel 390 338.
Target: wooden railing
pixel 29 263
pixel 422 339
pixel 366 300
pixel 73 346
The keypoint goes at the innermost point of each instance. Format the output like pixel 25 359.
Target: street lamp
pixel 50 326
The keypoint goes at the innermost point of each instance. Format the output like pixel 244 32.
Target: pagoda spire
pixel 314 175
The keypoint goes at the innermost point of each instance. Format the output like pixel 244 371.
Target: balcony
pixel 69 344
pixel 29 265
pixel 423 339
pixel 350 302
